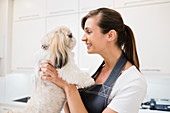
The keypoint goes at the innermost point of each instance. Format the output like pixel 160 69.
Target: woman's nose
pixel 84 38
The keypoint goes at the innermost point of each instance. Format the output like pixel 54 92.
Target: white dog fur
pixel 57 46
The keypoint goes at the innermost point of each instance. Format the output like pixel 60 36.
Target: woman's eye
pixel 89 31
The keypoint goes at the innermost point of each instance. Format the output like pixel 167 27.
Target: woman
pixel 119 85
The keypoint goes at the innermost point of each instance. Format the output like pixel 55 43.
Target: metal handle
pixel 136 2
pixel 26 17
pixel 25 68
pixel 155 70
pixel 61 11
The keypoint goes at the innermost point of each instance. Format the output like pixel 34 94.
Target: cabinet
pixel 129 3
pixel 87 5
pixel 58 7
pixel 149 20
pixel 25 41
pixel 70 21
pixel 3 18
pixel 150 24
pixel 1 47
pixel 28 9
pixel 87 62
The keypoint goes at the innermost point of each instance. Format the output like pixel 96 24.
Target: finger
pixel 49 66
pixel 52 73
pixel 48 71
pixel 44 64
pixel 44 77
pixel 47 62
pixel 50 62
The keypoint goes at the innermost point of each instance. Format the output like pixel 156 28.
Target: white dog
pixel 47 97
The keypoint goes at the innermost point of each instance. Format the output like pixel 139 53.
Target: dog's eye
pixel 70 35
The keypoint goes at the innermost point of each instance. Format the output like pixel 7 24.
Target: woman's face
pixel 94 39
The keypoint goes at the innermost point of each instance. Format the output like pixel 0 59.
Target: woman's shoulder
pixel 130 87
pixel 132 73
pixel 132 76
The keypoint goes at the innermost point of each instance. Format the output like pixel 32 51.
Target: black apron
pixel 95 98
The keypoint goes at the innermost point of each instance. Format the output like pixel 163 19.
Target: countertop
pixel 11 103
pixel 152 111
pixel 22 105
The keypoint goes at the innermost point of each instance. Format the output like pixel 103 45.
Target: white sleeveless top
pixel 128 92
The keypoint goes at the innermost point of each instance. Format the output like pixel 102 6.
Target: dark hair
pixel 111 19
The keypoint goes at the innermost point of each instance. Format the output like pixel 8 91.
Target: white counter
pixel 13 104
pixel 2 88
pixel 19 105
pixel 151 111
pixel 10 88
pixel 8 105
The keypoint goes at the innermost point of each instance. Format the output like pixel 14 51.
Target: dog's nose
pixel 44 47
pixel 70 35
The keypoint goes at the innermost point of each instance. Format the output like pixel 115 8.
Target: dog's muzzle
pixel 45 47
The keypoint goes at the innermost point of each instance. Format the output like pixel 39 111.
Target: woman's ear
pixel 112 34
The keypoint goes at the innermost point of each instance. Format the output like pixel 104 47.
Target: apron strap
pixel 120 64
pixel 100 67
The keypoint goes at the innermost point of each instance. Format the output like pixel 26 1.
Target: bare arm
pixel 66 108
pixel 108 110
pixel 75 104
pixel 74 100
pixel 73 97
pixel 76 107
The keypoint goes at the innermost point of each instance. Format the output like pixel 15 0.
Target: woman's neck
pixel 111 57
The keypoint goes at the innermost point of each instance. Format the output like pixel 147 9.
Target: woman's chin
pixel 90 52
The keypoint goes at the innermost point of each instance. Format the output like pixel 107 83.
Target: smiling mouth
pixel 89 45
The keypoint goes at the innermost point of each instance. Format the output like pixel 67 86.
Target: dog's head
pixel 59 41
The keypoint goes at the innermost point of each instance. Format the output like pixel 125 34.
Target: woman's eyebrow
pixel 87 28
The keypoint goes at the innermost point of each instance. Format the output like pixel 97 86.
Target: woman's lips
pixel 88 45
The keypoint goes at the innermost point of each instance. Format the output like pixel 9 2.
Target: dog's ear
pixel 59 50
pixel 61 61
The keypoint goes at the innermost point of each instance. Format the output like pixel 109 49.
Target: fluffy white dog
pixel 57 46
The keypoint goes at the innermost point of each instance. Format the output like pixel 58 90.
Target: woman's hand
pixel 49 69
pixel 72 94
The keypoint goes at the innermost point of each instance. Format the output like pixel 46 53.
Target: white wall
pixel 3 11
pixel 158 86
pixel 18 85
pixel 5 35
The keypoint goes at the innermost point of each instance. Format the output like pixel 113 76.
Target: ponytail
pixel 130 46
